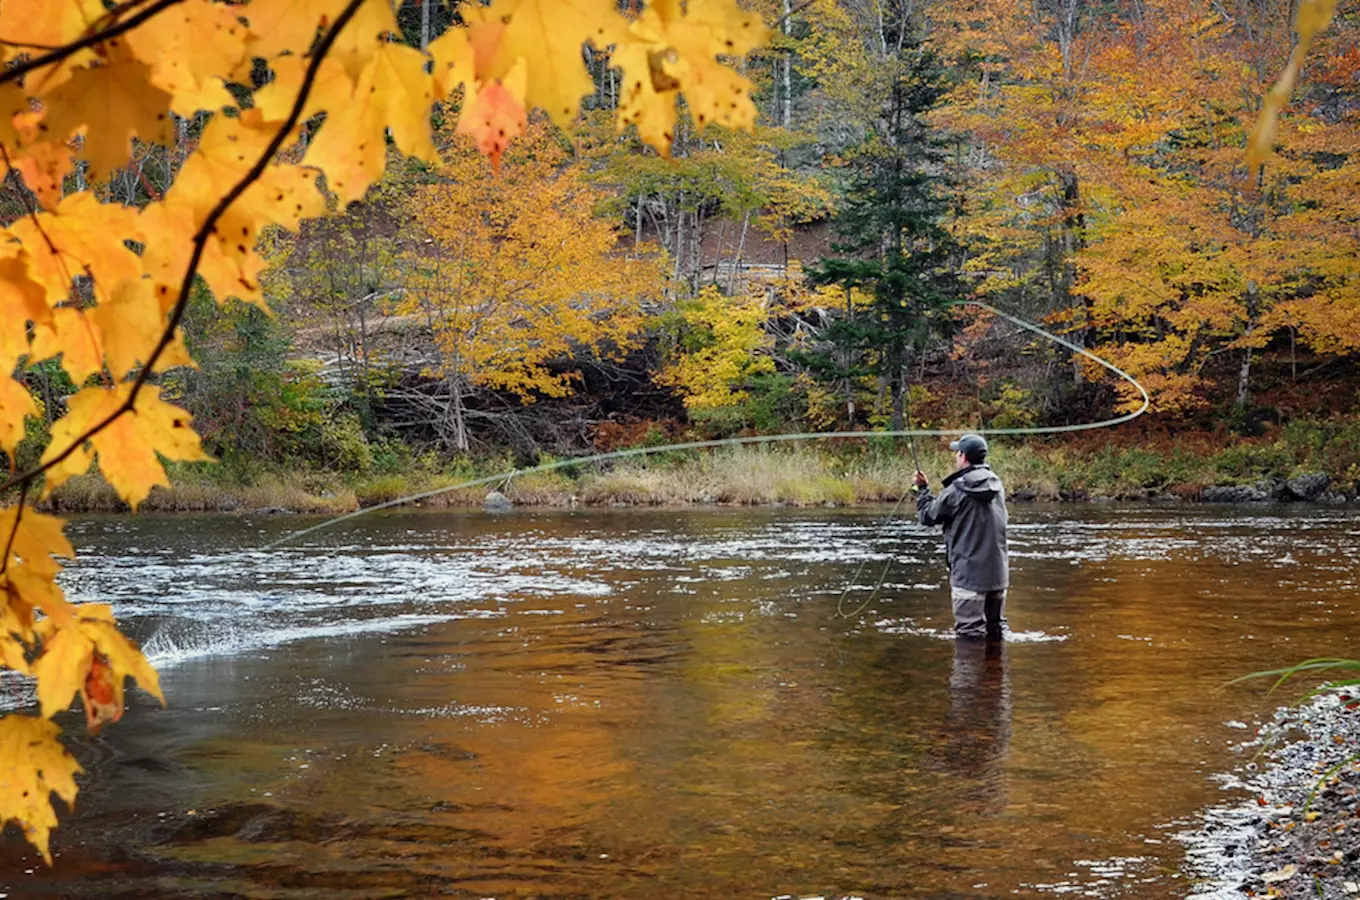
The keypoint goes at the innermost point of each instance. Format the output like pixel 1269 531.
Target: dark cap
pixel 971 446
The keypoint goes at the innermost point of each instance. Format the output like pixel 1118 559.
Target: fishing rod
pixel 760 440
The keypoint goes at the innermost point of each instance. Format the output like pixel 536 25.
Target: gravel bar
pixel 1274 843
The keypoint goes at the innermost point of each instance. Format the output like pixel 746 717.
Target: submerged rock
pixel 497 502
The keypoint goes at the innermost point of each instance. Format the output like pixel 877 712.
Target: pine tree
pixel 895 249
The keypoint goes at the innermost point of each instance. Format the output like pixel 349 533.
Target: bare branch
pixel 96 37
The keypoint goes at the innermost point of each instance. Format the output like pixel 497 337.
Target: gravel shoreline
pixel 1273 843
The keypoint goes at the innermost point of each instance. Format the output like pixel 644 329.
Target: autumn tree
pixel 513 271
pixel 1198 255
pixel 1110 187
pixel 1028 99
pixel 297 100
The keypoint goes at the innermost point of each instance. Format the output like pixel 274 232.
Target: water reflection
pixel 978 725
pixel 654 704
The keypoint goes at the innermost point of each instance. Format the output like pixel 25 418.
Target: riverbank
pixel 1284 840
pixel 1305 465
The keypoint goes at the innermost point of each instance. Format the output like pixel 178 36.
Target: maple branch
pixel 201 238
pixel 89 40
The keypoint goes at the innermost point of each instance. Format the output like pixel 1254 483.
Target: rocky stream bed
pixel 1284 840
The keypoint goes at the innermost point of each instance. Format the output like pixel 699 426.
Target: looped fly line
pixel 771 438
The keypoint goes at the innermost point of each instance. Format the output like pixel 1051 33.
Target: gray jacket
pixel 972 509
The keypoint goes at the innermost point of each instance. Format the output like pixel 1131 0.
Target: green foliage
pixel 252 401
pixel 1248 462
pixel 896 248
pixel 769 405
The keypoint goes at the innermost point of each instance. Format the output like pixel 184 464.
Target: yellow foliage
pixel 724 346
pixel 87 84
pixel 518 270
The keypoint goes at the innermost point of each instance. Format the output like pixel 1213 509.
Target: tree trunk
pixel 1244 380
pixel 425 23
pixel 696 250
pixel 849 363
pixel 458 417
pixel 1244 373
pixel 786 104
pixel 1073 241
pixel 741 249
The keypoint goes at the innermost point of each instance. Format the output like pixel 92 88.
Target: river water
pixel 643 704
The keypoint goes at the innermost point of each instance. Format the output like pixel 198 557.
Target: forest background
pixel 1080 163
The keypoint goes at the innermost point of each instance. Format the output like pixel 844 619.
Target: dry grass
pixel 804 475
pixel 91 493
pixel 750 477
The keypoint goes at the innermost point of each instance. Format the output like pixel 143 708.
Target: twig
pixel 791 13
pixel 201 238
pixel 96 37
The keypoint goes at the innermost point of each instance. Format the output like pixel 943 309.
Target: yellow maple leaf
pixel 361 37
pixel 33 766
pixel 454 61
pixel 110 104
pixel 226 151
pixel 670 50
pixel 129 325
pixel 229 148
pixel 22 300
pixel 277 26
pixel 161 228
pixel 47 23
pixel 39 539
pixel 548 34
pixel 61 668
pixel 16 404
pixel 12 653
pixel 124 657
pixel 44 165
pixel 331 89
pixel 284 195
pixel 82 235
pixel 13 623
pixel 402 85
pixel 69 334
pixel 14 102
pixel 27 591
pixel 190 43
pixel 130 447
pixel 647 100
pixel 351 147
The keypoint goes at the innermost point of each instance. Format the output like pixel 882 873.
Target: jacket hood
pixel 979 481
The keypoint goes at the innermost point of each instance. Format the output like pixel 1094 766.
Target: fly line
pixel 637 452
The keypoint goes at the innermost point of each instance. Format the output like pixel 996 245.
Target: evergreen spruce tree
pixel 894 246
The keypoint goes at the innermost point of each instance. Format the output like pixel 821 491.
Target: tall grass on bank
pixel 811 474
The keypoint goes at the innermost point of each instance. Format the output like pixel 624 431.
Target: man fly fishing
pixel 972 508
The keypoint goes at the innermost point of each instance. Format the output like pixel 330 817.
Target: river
pixel 642 704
